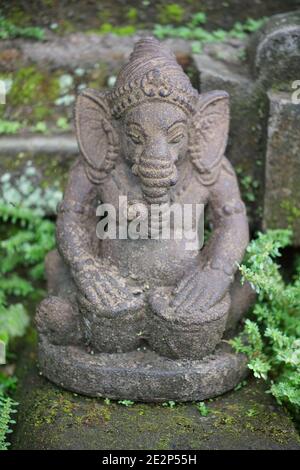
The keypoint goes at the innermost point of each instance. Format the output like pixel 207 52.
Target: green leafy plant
pixel 30 240
pixel 169 404
pixel 9 127
pixel 107 28
pixel 41 127
pixel 28 237
pixel 251 412
pixel 271 337
pixel 7 408
pixel 198 18
pixel 203 409
pixel 195 32
pixel 170 13
pixel 126 402
pixel 249 187
pixel 9 30
pixel 132 14
pixel 63 124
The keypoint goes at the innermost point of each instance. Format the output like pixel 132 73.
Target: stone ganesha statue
pixel 144 318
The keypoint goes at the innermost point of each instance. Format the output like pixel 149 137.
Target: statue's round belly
pixel 157 262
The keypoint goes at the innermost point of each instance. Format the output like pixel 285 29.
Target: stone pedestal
pixel 51 418
pixel 142 374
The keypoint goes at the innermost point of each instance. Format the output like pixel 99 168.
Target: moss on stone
pixel 170 13
pixel 53 171
pixel 292 211
pixel 52 418
pixel 32 94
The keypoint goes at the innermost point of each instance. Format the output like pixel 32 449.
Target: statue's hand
pixel 103 290
pixel 200 290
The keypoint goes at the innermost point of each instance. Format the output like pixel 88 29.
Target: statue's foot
pixel 58 321
pixel 179 334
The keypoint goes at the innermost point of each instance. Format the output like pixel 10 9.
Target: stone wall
pixel 264 143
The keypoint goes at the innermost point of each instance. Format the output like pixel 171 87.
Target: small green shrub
pixel 249 186
pixel 170 13
pixel 132 14
pixel 9 127
pixel 169 404
pixel 195 32
pixel 126 402
pixel 203 409
pixel 271 337
pixel 28 237
pixel 106 28
pixel 9 30
pixel 7 408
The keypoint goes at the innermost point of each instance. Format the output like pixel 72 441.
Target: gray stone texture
pixel 264 125
pixel 274 50
pixel 51 418
pixel 221 69
pixel 282 191
pixel 141 375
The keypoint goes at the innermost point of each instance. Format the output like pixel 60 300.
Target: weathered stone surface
pixel 80 50
pixel 248 115
pixel 274 51
pixel 35 145
pixel 155 141
pixel 282 194
pixel 51 418
pixel 142 374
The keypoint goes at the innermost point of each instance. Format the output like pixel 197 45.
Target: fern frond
pixel 13 321
pixel 7 408
pixel 273 336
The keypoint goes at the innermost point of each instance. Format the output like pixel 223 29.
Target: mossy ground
pixel 52 418
pixel 74 16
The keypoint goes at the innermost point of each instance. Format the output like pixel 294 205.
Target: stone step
pixel 37 144
pixel 78 50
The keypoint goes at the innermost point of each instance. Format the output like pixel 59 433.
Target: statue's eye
pixel 175 139
pixel 176 133
pixel 136 139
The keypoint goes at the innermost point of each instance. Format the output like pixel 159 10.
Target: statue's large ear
pixel 209 132
pixel 97 139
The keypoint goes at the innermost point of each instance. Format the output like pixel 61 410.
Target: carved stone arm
pixel 230 235
pixel 75 219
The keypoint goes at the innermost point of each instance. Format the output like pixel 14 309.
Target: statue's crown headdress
pixel 152 73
